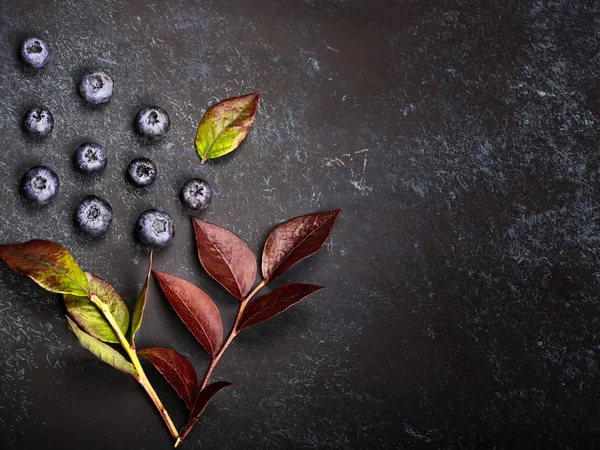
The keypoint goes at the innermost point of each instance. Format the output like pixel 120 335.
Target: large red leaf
pixel 273 303
pixel 177 370
pixel 204 397
pixel 226 257
pixel 294 240
pixel 195 308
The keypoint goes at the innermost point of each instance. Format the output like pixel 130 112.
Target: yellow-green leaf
pixel 138 310
pixel 103 351
pixel 225 125
pixel 48 264
pixel 90 318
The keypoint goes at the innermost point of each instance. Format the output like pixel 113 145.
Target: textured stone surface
pixel 459 137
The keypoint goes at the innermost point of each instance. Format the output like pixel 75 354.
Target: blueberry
pixel 96 87
pixel 152 123
pixel 155 227
pixel 142 172
pixel 196 194
pixel 40 184
pixel 90 158
pixel 93 216
pixel 35 52
pixel 39 121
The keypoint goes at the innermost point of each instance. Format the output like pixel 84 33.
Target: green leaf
pixel 90 318
pixel 103 351
pixel 48 264
pixel 225 125
pixel 138 310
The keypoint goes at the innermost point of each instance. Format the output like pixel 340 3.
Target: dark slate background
pixel 460 138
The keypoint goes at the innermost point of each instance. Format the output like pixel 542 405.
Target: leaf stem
pixel 217 357
pixel 141 377
pixel 234 332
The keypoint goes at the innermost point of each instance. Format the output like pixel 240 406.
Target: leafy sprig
pixel 99 317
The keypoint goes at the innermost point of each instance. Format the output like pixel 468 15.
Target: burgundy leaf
pixel 195 308
pixel 204 397
pixel 226 257
pixel 273 303
pixel 177 370
pixel 294 240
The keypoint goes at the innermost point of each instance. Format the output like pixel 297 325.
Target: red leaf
pixel 226 257
pixel 204 397
pixel 177 370
pixel 294 240
pixel 195 308
pixel 273 303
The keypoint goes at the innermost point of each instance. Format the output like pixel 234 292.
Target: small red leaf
pixel 195 308
pixel 226 257
pixel 273 303
pixel 204 397
pixel 294 240
pixel 176 369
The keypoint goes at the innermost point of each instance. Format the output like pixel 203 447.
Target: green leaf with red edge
pixel 177 370
pixel 204 397
pixel 48 264
pixel 90 318
pixel 140 304
pixel 273 303
pixel 226 257
pixel 294 240
pixel 225 125
pixel 103 351
pixel 195 308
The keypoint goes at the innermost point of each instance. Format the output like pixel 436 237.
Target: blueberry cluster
pixel 93 215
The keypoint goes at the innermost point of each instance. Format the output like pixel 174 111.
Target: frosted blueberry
pixel 39 121
pixel 90 158
pixel 155 228
pixel 96 87
pixel 196 194
pixel 142 172
pixel 35 52
pixel 39 185
pixel 152 123
pixel 93 216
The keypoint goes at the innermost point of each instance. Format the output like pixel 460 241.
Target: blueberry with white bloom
pixel 152 122
pixel 155 228
pixel 39 121
pixel 93 216
pixel 39 185
pixel 90 158
pixel 142 172
pixel 35 52
pixel 196 194
pixel 96 87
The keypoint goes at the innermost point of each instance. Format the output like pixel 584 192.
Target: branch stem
pixel 217 357
pixel 141 376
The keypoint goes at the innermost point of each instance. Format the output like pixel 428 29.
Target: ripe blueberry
pixel 39 185
pixel 96 87
pixel 141 172
pixel 152 123
pixel 155 227
pixel 90 158
pixel 35 52
pixel 93 216
pixel 39 121
pixel 196 194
